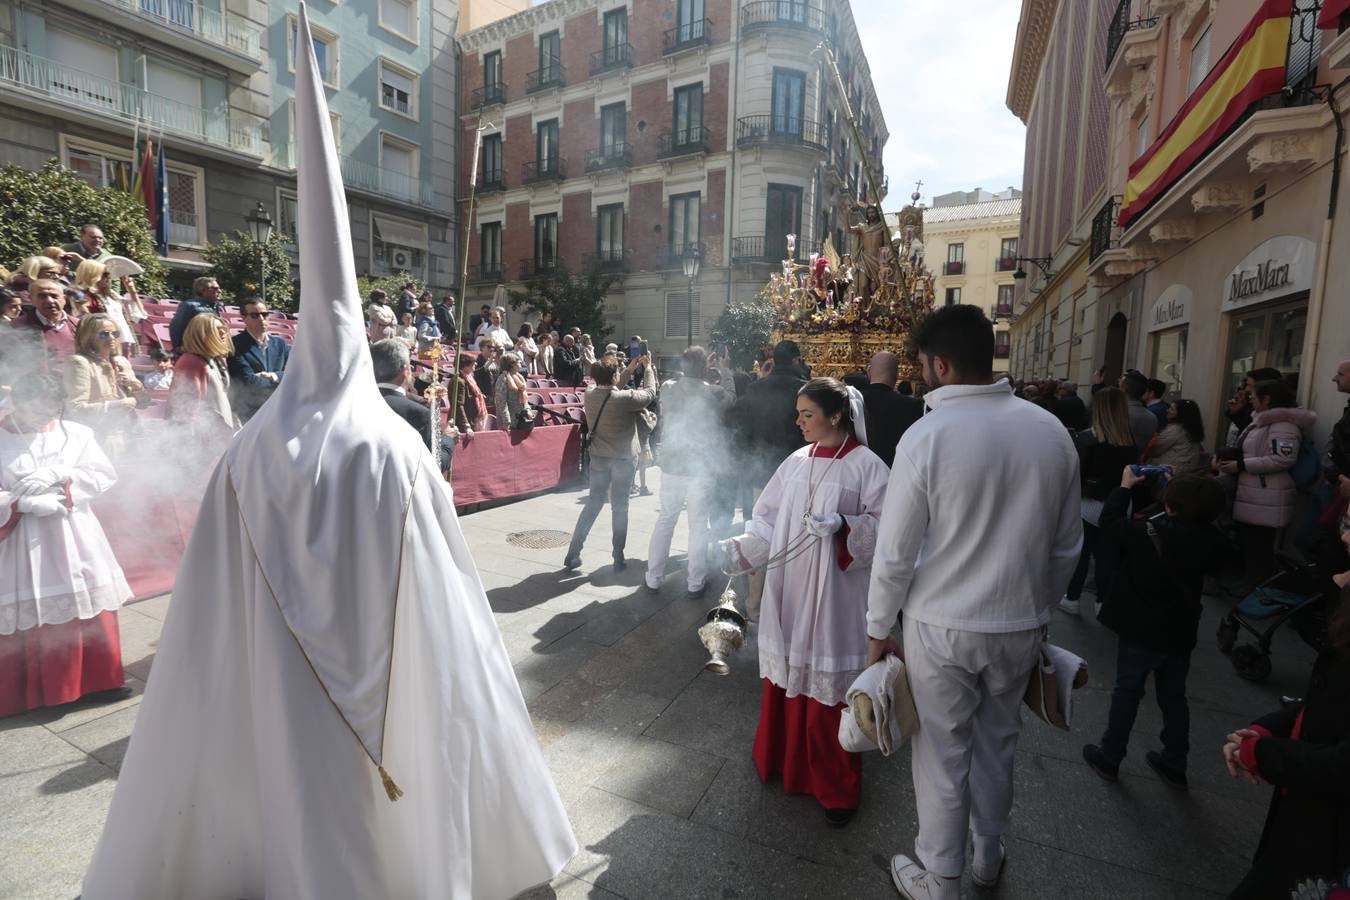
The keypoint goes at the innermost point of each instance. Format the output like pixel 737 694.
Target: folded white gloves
pixel 824 526
pixel 43 505
pixel 41 481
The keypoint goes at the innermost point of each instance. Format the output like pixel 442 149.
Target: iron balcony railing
pixel 547 77
pixel 192 18
pixel 1105 230
pixel 1121 25
pixel 618 155
pixel 64 86
pixel 682 142
pixel 610 260
pixel 954 267
pixel 697 33
pixel 531 266
pixel 1006 264
pixel 777 129
pixel 785 14
pixel 550 168
pixel 492 181
pixel 758 248
pixel 362 176
pixel 488 95
pixel 1001 351
pixel 486 273
pixel 615 56
pixel 1002 310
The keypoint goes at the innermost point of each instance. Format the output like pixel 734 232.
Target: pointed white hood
pixel 323 473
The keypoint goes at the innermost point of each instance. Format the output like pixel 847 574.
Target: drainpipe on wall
pixel 1318 298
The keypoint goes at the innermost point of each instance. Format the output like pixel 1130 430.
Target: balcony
pixel 548 169
pixel 486 274
pixel 789 14
pixel 683 142
pixel 758 249
pixel 781 130
pixel 533 266
pixel 542 79
pixel 225 38
pixel 954 267
pixel 1006 264
pixel 1121 25
pixel 1001 351
pixel 618 155
pixel 612 260
pixel 618 56
pixel 1105 231
pixel 697 33
pixel 492 181
pixel 1003 310
pixel 488 95
pixel 71 93
pixel 369 179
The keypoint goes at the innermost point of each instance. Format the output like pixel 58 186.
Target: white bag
pixel 880 713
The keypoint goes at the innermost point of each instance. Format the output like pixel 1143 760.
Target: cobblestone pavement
pixel 652 755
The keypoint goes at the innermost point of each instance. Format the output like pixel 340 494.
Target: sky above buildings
pixel 941 73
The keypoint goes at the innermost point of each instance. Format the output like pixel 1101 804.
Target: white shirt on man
pixel 500 336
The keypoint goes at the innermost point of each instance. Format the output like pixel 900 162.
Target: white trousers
pixel 967 689
pixel 677 491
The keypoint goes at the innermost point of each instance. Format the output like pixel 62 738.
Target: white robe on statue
pixel 331 714
pixel 813 618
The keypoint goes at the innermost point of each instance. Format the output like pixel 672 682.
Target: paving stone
pixel 105 738
pixel 69 715
pixel 154 607
pixel 662 776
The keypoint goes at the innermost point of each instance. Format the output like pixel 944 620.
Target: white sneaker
pixel 917 883
pixel 1069 606
pixel 987 877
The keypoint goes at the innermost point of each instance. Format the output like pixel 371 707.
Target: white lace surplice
pixel 54 569
pixel 813 620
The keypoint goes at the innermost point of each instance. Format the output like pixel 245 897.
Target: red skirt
pixel 798 738
pixel 54 664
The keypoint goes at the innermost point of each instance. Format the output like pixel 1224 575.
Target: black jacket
pixel 1072 412
pixel 1339 454
pixel 766 416
pixel 419 418
pixel 445 321
pixel 567 365
pixel 1307 830
pixel 888 416
pixel 1155 601
pixel 1100 465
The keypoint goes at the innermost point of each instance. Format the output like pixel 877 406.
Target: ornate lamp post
pixel 693 258
pixel 260 226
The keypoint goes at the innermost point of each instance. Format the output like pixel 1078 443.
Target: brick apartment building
pixel 620 133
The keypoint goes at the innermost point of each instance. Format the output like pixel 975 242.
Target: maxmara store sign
pixel 1171 310
pixel 1279 267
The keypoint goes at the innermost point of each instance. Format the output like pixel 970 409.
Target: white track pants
pixel 967 688
pixel 677 491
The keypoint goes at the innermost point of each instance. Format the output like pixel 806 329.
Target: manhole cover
pixel 539 540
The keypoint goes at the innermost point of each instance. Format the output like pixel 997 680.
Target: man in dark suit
pixel 393 373
pixel 258 363
pixel 887 413
pixel 446 320
pixel 205 299
pixel 766 415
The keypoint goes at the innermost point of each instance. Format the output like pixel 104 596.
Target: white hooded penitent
pixel 329 636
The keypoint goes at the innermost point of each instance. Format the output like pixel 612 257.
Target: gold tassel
pixel 391 790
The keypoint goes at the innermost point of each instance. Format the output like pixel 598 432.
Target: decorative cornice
pixel 1033 36
pixel 522 23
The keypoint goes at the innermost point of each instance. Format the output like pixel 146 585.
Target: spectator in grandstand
pixel 48 325
pixel 380 322
pixel 205 299
pixel 567 362
pixel 380 298
pixel 446 320
pixel 11 307
pixel 486 367
pixel 428 332
pixel 407 298
pixel 259 360
pixel 161 377
pixel 543 363
pixel 470 405
pixel 527 349
pixel 90 245
pixel 508 396
pixel 102 391
pixel 94 279
pixel 199 398
pixel 406 330
pixel 587 351
pixel 493 329
pixel 477 319
pixel 34 268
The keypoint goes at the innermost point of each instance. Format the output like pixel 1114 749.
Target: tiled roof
pixel 994 209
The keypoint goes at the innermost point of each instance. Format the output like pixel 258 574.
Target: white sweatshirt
pixel 982 522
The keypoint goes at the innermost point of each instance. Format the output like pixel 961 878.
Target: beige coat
pixel 96 391
pixel 614 432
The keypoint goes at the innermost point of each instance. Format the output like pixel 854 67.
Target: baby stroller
pixel 1297 594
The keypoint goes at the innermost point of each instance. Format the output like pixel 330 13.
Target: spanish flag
pixel 1252 68
pixel 1332 11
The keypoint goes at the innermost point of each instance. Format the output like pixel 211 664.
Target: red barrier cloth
pixel 798 738
pixel 498 465
pixel 148 546
pixel 54 664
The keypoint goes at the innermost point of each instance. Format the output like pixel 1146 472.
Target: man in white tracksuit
pixel 978 538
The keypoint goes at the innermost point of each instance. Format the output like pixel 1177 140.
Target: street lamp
pixel 260 225
pixel 693 258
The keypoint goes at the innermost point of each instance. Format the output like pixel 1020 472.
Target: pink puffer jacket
pixel 1265 489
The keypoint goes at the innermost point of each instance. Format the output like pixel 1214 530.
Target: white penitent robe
pixel 331 714
pixel 813 618
pixel 55 568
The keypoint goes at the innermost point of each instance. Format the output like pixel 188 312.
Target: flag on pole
pixel 160 220
pixel 143 186
pixel 1332 11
